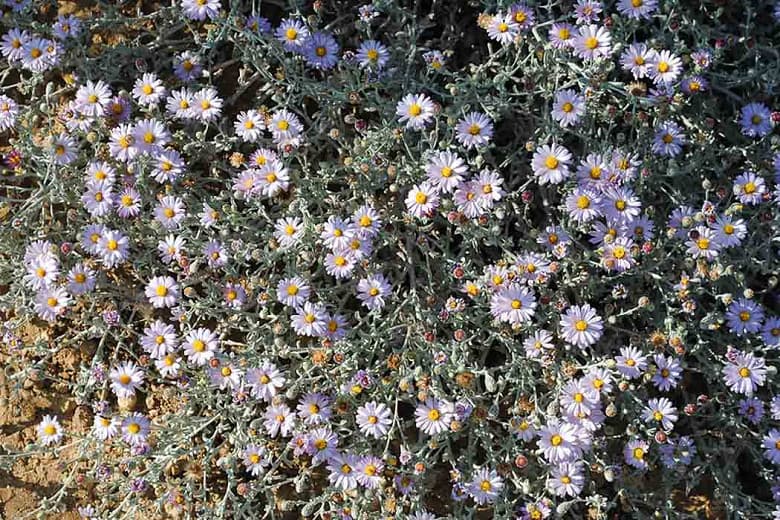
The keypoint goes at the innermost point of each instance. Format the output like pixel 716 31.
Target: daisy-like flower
pixel 536 344
pixel 206 105
pixel 771 445
pixel 293 292
pixel 265 381
pixel 337 233
pixel 273 178
pixel 744 317
pixel 583 205
pixel 577 398
pixel 135 429
pixel 558 442
pixel 310 320
pixel 752 409
pixel 561 35
pixel 490 190
pixel 587 11
pixel 321 50
pixel 422 200
pixel 342 473
pixel 179 103
pixel 550 163
pixel 581 326
pixel 668 372
pixel 255 459
pixel 105 428
pixel 635 452
pixel 64 149
pixel 292 33
pixel 162 291
pixel 283 125
pixel 755 120
pixel 9 110
pixel 694 85
pixel 373 291
pixel 159 339
pixel 49 430
pixel 168 166
pixel 745 373
pixel 485 486
pixel 374 419
pixel 12 44
pixel 100 172
pixel 729 231
pixel 369 471
pixel 631 362
pixel 568 107
pixel 522 15
pixel 314 408
pixel 39 54
pixel 226 376
pixel 200 9
pixel 187 66
pixel 249 126
pixel 279 420
pixel 208 216
pixel 321 444
pixel 503 28
pixel 200 345
pixel 340 263
pixel 372 55
pixel 288 231
pixel 664 67
pixel 446 170
pixel 620 205
pixel 435 59
pixel 704 245
pixel 367 221
pixel 148 90
pixel 216 254
pixel 433 416
pixel 234 295
pixel 81 279
pixel 593 42
pixel 150 136
pixel 42 271
pixel 126 378
pixel 474 129
pixel 168 365
pixel 119 109
pixel 669 139
pixel 749 188
pixel 93 99
pixel 660 410
pixel 336 327
pixel 416 110
pixel 468 199
pixel 171 248
pixel 98 199
pixel 50 302
pixel 637 59
pixel 637 9
pixel 566 479
pixel 121 143
pixel 170 211
pixel 770 332
pixel 513 304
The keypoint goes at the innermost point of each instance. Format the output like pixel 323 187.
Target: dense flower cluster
pixel 327 263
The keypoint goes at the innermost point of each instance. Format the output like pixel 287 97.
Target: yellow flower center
pixel 291 34
pixel 321 51
pixel 124 379
pixel 744 372
pixel 415 110
pixel 133 428
pixel 254 458
pixel 198 346
pixel 292 290
pixel 112 245
pixel 591 42
pixel 749 187
pixel 373 291
pixel 581 325
pixel 703 243
pixel 421 198
pixel 283 125
pixel 168 212
pixel 147 89
pixel 638 453
pixel 657 415
pixel 663 67
pixel 51 301
pixel 583 202
pixel 516 304
pixel 434 415
pixel 149 138
pixel 567 107
pixel 556 440
pixel 372 54
pixel 485 486
pixel 551 162
pixel 619 252
pixel 475 129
